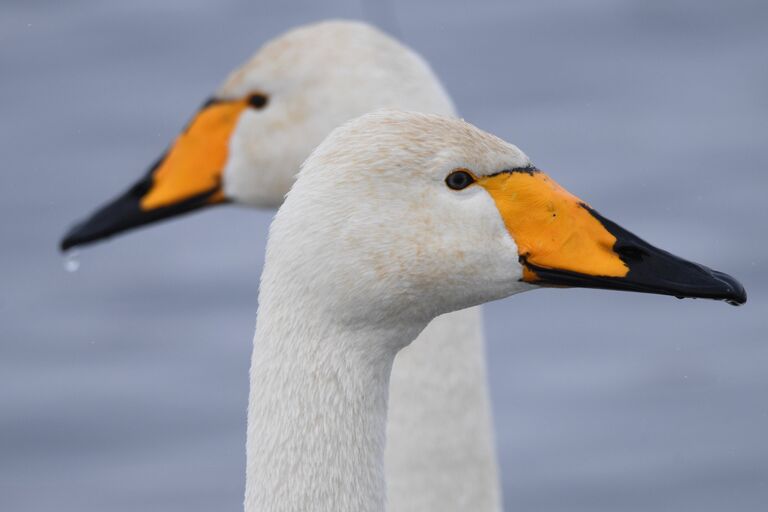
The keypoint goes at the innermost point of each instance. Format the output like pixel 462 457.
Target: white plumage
pixel 246 144
pixel 369 246
pixel 396 219
pixel 440 453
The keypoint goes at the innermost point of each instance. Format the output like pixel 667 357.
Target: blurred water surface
pixel 123 386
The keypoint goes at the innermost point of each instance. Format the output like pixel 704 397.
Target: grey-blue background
pixel 123 386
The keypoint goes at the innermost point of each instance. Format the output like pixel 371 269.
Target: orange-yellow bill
pixel 564 242
pixel 187 177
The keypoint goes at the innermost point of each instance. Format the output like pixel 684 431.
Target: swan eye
pixel 459 180
pixel 258 100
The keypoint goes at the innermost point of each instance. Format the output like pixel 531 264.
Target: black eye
pixel 459 180
pixel 258 100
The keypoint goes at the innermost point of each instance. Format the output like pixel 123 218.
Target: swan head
pixel 400 215
pixel 246 143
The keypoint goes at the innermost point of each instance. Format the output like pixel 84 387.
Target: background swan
pixel 246 144
pixel 385 229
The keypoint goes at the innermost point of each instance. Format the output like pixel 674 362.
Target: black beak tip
pixel 125 213
pixel 69 240
pixel 82 233
pixel 733 291
pixel 66 244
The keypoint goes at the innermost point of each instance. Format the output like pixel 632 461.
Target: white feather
pixel 368 248
pixel 440 454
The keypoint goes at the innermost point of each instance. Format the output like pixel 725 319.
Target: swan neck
pixel 317 413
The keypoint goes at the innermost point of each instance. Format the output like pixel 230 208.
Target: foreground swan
pixel 394 219
pixel 246 144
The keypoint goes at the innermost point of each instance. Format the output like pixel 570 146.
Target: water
pixel 72 261
pixel 125 389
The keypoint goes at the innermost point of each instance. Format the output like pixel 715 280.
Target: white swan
pixel 245 146
pixel 394 219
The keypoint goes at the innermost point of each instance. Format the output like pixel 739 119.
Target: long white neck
pixel 317 411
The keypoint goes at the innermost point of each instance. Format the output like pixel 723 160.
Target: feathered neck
pixel 318 404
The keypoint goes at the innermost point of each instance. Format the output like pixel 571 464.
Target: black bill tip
pixel 125 213
pixel 733 291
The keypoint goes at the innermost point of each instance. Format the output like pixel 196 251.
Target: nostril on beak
pixel 630 253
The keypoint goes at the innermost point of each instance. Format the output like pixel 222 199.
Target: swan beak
pixel 187 177
pixel 562 241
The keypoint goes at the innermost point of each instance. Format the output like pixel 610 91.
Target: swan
pixel 245 146
pixel 395 219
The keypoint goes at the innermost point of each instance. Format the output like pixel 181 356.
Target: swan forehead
pixel 316 55
pixel 397 143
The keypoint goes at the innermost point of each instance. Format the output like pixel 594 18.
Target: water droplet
pixel 71 261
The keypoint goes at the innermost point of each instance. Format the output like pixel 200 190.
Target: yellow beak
pixel 187 177
pixel 562 241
